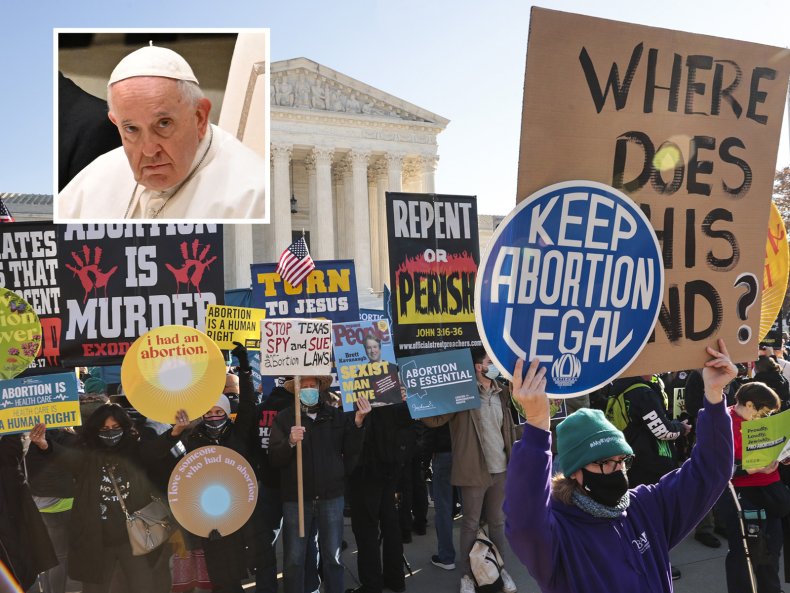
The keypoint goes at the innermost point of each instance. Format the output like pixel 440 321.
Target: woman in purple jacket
pixel 583 530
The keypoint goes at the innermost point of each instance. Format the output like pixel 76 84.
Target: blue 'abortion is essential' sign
pixel 573 276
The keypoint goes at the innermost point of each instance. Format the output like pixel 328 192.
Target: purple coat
pixel 567 550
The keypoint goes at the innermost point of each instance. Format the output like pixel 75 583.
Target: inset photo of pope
pixel 162 125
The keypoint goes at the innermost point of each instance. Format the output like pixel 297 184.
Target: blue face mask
pixel 492 372
pixel 308 396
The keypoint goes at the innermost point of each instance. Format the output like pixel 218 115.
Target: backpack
pixel 617 407
pixel 486 564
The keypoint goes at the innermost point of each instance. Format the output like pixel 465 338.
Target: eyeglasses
pixel 609 466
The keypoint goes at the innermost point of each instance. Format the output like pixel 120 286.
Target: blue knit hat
pixel 586 436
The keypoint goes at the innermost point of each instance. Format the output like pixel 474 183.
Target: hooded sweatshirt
pixel 567 550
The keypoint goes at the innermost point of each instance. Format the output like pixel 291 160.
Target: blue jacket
pixel 567 550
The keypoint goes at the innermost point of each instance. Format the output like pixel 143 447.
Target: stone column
pixel 428 170
pixel 412 176
pixel 243 254
pixel 324 241
pixel 373 210
pixel 312 199
pixel 347 228
pixel 339 210
pixel 360 230
pixel 281 195
pixel 382 183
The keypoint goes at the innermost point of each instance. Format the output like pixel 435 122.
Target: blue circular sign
pixel 215 500
pixel 573 276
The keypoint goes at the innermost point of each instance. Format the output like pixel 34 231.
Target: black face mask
pixel 214 427
pixel 607 489
pixel 110 438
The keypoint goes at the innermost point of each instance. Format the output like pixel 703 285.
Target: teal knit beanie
pixel 586 436
pixel 95 385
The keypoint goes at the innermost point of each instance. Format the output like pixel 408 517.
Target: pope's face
pixel 159 128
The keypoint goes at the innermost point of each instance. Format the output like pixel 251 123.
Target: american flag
pixel 5 215
pixel 295 263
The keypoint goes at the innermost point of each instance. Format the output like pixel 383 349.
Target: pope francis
pixel 173 164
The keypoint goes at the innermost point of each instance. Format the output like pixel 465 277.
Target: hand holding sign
pixel 718 372
pixel 38 436
pixel 530 393
pixel 363 409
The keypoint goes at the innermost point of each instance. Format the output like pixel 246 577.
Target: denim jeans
pixel 441 466
pixel 327 517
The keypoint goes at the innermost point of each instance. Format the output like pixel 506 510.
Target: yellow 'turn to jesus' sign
pixel 226 325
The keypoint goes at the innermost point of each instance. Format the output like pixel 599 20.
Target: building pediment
pixel 303 85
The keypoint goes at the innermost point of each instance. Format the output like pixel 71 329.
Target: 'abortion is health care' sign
pixel 574 277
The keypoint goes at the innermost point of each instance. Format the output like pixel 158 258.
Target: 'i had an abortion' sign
pixel 574 277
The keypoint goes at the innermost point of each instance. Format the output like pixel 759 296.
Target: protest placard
pixel 572 277
pixel 171 368
pixel 328 292
pixel 119 281
pixel 765 440
pixel 212 488
pixel 433 256
pixel 365 363
pixel 439 383
pixel 775 271
pixel 28 267
pixel 51 399
pixel 686 125
pixel 20 334
pixel 296 347
pixel 226 324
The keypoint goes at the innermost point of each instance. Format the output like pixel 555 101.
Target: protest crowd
pixel 378 467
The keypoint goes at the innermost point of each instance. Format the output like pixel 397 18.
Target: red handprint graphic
pixel 197 261
pixel 89 273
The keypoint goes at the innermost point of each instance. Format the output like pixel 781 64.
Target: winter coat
pixel 567 550
pixel 86 530
pixel 25 547
pixel 469 463
pixel 330 450
pixel 266 413
pixel 390 442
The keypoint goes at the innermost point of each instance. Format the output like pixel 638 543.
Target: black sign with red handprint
pixel 119 281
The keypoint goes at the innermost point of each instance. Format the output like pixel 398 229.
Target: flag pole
pixel 299 481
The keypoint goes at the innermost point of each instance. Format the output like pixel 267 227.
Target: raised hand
pixel 182 422
pixel 363 409
pixel 38 436
pixel 718 372
pixel 530 393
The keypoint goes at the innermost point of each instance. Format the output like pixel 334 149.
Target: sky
pixel 461 59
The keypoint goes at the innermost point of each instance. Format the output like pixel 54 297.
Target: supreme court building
pixel 337 145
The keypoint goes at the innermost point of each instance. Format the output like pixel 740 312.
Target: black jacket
pixel 330 449
pixel 266 413
pixel 51 479
pixel 25 547
pixel 650 432
pixel 390 442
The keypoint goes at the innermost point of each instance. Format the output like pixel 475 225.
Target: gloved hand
pixel 240 352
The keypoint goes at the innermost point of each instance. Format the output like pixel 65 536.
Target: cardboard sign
pixel 688 126
pixel 365 363
pixel 765 440
pixel 433 256
pixel 329 292
pixel 51 399
pixel 296 347
pixel 20 334
pixel 212 488
pixel 28 267
pixel 171 368
pixel 573 277
pixel 119 281
pixel 775 271
pixel 225 325
pixel 439 383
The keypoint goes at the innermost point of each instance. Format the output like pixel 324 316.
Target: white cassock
pixel 228 184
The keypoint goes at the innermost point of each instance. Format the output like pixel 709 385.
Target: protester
pixel 25 547
pixel 110 452
pixel 757 489
pixel 482 440
pixel 442 494
pixel 53 489
pixel 768 371
pixel 413 502
pixel 331 443
pixel 268 517
pixel 584 530
pixel 225 556
pixel 173 163
pixel 387 450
